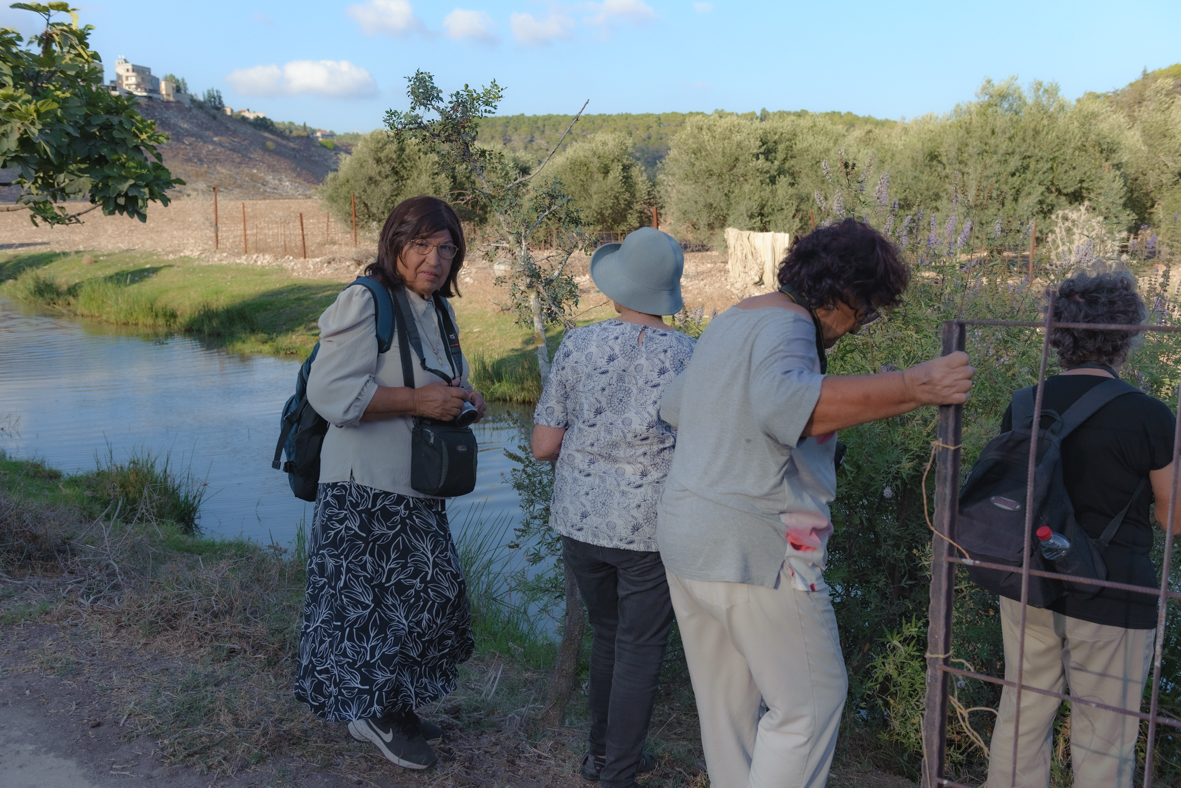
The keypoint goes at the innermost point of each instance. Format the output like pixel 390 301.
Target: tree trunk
pixel 561 681
pixel 539 337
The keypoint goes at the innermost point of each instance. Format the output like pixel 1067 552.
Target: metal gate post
pixel 947 487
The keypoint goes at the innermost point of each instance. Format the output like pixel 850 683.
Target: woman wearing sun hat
pixel 598 418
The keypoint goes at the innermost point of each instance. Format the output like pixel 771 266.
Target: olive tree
pixel 383 170
pixel 605 182
pixel 64 136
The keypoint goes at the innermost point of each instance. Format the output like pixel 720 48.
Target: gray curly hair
pixel 1106 298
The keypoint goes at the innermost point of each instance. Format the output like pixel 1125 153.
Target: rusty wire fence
pixel 244 228
pixel 945 561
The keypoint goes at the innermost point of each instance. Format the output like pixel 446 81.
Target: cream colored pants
pixel 746 642
pixel 1100 663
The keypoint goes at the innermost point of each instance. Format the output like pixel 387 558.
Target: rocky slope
pixel 208 149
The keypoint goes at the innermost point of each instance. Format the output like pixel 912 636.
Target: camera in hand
pixel 467 415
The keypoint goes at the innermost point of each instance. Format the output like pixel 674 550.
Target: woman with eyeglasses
pixel 386 615
pixel 743 523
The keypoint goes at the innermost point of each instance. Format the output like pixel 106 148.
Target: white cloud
pixel 330 78
pixel 610 11
pixel 476 25
pixel 392 17
pixel 528 30
pixel 703 8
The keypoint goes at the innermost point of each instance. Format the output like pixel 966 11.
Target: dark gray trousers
pixel 626 595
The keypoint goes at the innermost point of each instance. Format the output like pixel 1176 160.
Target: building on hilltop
pixel 246 113
pixel 169 91
pixel 134 80
pixel 321 134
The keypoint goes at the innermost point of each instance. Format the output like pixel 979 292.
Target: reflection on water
pixel 71 389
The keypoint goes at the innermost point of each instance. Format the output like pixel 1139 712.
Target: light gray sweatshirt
pixel 741 474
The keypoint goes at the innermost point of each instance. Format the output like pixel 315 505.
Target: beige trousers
pixel 1105 664
pixel 746 642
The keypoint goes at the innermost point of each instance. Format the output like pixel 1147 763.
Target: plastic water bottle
pixel 1054 546
pixel 1057 550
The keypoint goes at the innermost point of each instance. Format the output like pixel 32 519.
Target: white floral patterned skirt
pixel 386 618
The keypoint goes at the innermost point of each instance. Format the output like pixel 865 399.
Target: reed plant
pixel 512 378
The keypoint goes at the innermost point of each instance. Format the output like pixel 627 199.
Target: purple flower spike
pixel 881 193
pixel 963 239
pixel 827 172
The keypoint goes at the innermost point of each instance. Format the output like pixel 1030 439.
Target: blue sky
pixel 341 65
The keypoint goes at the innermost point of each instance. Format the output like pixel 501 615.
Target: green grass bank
pixel 250 309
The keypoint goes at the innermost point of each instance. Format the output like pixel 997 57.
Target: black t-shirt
pixel 1103 461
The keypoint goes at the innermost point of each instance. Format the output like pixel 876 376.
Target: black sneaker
pixel 399 746
pixel 430 731
pixel 592 765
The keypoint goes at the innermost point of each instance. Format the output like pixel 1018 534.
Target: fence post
pixel 216 240
pixel 353 198
pixel 245 246
pixel 942 590
pixel 303 238
pixel 656 217
pixel 1032 247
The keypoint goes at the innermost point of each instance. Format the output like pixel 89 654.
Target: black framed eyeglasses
pixel 447 251
pixel 870 315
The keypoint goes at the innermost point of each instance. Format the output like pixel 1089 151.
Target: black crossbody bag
pixel 442 453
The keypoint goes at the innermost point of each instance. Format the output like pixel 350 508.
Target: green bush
pixel 606 183
pixel 382 171
pixel 1014 153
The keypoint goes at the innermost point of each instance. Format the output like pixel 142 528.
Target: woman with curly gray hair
pixel 1100 647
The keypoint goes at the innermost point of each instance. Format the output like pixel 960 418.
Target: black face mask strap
pixel 792 292
pixel 1095 365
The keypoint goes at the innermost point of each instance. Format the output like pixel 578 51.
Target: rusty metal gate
pixel 944 561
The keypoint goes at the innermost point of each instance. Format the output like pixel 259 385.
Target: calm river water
pixel 70 391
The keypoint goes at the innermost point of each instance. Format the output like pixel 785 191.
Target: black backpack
pixel 991 524
pixel 302 430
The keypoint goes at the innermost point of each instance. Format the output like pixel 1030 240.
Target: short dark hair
pixel 1106 298
pixel 848 261
pixel 417 217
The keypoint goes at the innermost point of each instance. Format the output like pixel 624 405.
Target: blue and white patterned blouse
pixel 604 389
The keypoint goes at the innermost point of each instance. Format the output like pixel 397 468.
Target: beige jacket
pixel 345 376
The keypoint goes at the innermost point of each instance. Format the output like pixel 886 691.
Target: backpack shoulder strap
pixel 383 311
pixel 403 332
pixel 450 335
pixel 1086 405
pixel 1109 532
pixel 1023 401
